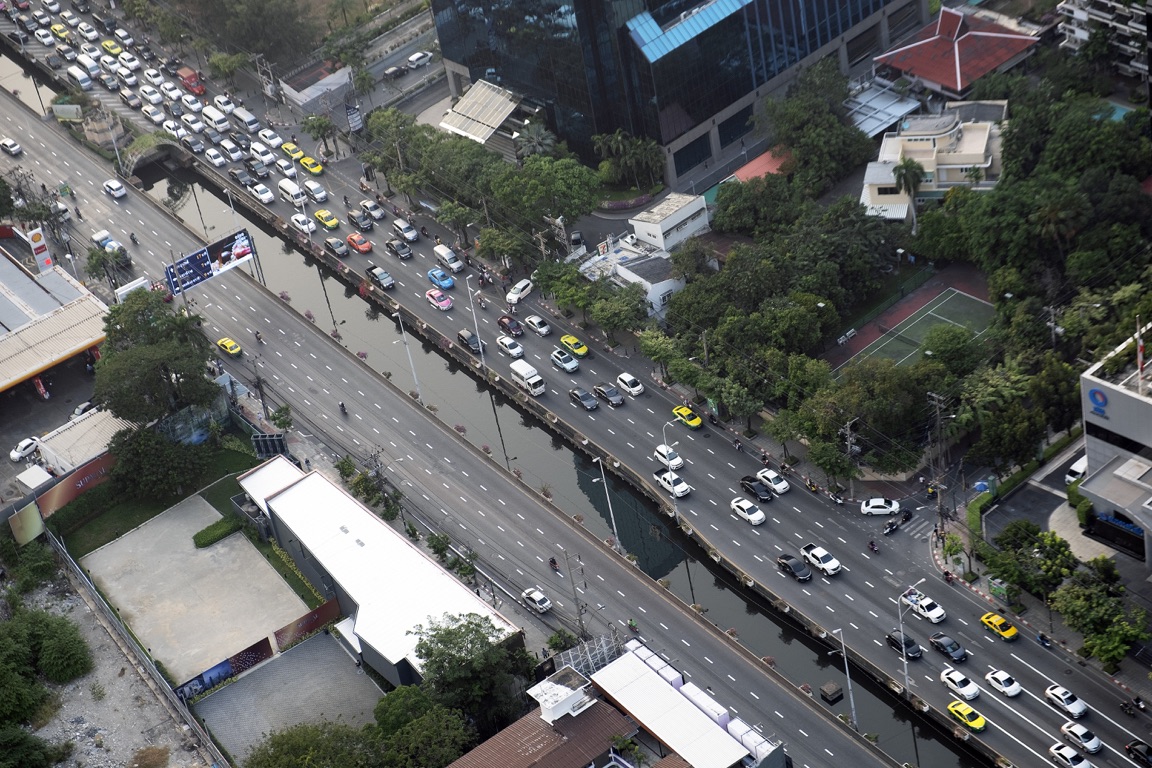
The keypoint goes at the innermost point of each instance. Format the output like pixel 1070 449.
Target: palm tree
pixel 535 139
pixel 909 175
pixel 1060 215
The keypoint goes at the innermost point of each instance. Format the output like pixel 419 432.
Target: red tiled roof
pixel 570 742
pixel 957 50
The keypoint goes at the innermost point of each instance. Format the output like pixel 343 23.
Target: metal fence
pixel 143 661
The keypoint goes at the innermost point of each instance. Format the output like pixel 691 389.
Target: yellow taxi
pixel 968 717
pixel 326 218
pixel 292 150
pixel 229 347
pixel 111 47
pixel 574 345
pixel 60 32
pixel 687 417
pixel 312 165
pixel 996 623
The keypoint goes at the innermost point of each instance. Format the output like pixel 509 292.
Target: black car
pixel 360 220
pixel 794 567
pixel 469 341
pixel 399 249
pixel 81 6
pixel 901 643
pixel 66 52
pixel 948 647
pixel 193 144
pixel 145 53
pixel 170 66
pixel 241 140
pixel 19 37
pixel 109 82
pixel 174 108
pixel 1139 752
pixel 212 136
pixel 609 394
pixel 756 489
pixel 510 325
pixel 256 168
pixel 336 246
pixel 241 177
pixel 53 60
pixel 581 397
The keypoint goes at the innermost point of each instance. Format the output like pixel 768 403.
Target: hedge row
pixel 221 529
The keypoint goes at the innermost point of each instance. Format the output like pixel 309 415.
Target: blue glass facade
pixel 656 68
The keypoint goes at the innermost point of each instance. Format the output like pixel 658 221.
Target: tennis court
pixel 903 341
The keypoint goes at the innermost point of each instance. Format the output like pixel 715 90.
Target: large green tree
pixel 317 745
pixel 148 465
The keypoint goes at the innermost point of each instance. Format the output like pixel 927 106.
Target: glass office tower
pixel 658 68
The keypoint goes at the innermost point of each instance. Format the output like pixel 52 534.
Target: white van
pixel 290 192
pixel 245 120
pixel 315 190
pixel 215 119
pixel 260 152
pixel 89 65
pixel 526 377
pixel 447 258
pixel 79 78
pixel 1077 471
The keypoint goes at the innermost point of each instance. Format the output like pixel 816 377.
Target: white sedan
pixel 879 506
pixel 153 77
pixel 153 113
pixel 10 147
pixel 192 123
pixel 537 325
pixel 151 95
pixel 959 684
pixel 1081 738
pixel 667 456
pixel 191 103
pixel 1063 755
pixel 747 510
pixel 509 346
pixel 88 32
pixel 23 449
pixel 224 104
pixel 285 166
pixel 114 188
pixel 773 480
pixel 68 18
pixel 170 91
pixel 264 195
pixel 128 61
pixel 1003 682
pixel 270 138
pixel 302 223
pixel 45 37
pixel 213 156
pixel 630 384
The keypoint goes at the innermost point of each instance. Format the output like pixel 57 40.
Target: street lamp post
pixel 848 677
pixel 404 336
pixel 664 435
pixel 900 622
pixel 476 324
pixel 611 515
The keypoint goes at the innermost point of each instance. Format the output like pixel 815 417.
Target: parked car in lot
pixel 24 449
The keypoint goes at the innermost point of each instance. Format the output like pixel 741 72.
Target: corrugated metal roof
pixel 481 111
pixel 570 742
pixel 76 442
pixel 50 339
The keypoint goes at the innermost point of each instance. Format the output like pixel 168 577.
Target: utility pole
pixel 849 444
pixel 937 401
pixel 581 607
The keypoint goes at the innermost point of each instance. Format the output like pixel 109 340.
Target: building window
pixel 693 154
pixel 735 127
pixel 881 191
pixel 665 298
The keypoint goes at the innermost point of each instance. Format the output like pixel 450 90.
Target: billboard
pixel 206 263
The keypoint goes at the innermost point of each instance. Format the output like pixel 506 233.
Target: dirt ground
pixel 110 713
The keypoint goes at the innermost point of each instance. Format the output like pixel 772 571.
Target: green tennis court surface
pixel 904 342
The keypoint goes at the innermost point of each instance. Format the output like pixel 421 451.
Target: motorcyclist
pixel 737 445
pixel 259 337
pixel 632 625
pixel 424 231
pixel 948 576
pixel 872 545
pixel 342 408
pixel 346 203
pixel 552 562
pixel 132 237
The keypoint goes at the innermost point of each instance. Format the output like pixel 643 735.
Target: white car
pixel 213 156
pixel 630 384
pixel 956 682
pixel 536 600
pixel 10 147
pixel 127 77
pixel 80 410
pixel 124 37
pixel 1066 701
pixel 149 94
pixel 51 6
pixel 747 510
pixel 924 606
pixel 231 151
pixel 518 291
pixel 69 18
pixel 170 91
pixel 373 209
pixel 673 483
pixel 260 152
pixel 192 123
pixel 90 50
pixel 509 346
pixel 302 223
pixel 820 559
pixel 1081 738
pixel 191 103
pixel 88 32
pixel 286 167
pixel 264 195
pixel 114 188
pixel 24 449
pixel 537 325
pixel 1065 756
pixel 174 128
pixel 129 61
pixel 270 137
pixel 667 456
pixel 224 104
pixel 153 77
pixel 1003 682
pixel 45 37
pixel 773 480
pixel 564 361
pixel 879 506
pixel 153 113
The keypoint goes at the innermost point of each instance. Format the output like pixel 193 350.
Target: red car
pixel 359 243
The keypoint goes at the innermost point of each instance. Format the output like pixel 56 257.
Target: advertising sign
pixel 206 263
pixel 355 119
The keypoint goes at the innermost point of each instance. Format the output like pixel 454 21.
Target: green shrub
pixel 1084 511
pixel 221 529
pixel 63 653
pixel 34 566
pixel 76 513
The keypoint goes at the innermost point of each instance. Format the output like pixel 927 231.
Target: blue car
pixel 440 278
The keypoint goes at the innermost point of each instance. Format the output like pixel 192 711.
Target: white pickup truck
pixel 673 483
pixel 820 559
pixel 924 605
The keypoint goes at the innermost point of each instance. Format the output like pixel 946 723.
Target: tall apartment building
pixel 683 72
pixel 1127 20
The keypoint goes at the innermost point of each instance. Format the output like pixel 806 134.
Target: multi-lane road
pixel 512 530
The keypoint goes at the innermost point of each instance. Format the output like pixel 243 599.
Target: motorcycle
pixel 712 419
pixel 1043 640
pixel 948 577
pixel 343 410
pixel 1139 702
pixel 1127 708
pixel 891 527
pixel 872 546
pixel 632 625
pixel 555 566
pixel 132 237
pixel 811 485
pixel 480 302
pixel 931 492
pixel 906 516
pixel 424 232
pixel 836 498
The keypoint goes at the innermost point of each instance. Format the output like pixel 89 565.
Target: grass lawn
pixel 128 514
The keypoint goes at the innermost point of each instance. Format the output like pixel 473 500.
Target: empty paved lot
pixel 191 607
